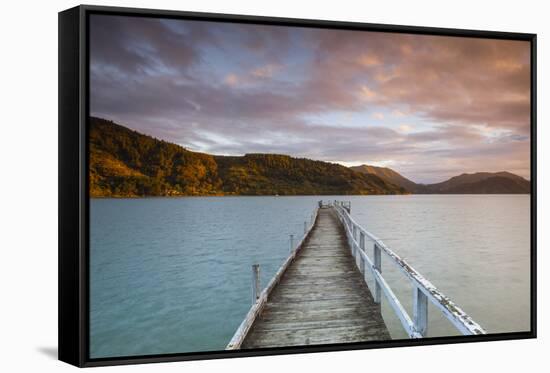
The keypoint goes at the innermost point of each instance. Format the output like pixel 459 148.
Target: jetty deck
pixel 320 294
pixel 321 298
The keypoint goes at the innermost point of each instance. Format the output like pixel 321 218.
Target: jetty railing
pixel 259 299
pixel 423 290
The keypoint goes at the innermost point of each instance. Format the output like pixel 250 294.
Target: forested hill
pixel 480 183
pixel 389 175
pixel 126 163
pixel 475 183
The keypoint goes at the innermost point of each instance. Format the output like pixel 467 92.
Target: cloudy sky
pixel 430 107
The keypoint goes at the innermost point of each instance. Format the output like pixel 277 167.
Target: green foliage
pixel 270 174
pixel 125 163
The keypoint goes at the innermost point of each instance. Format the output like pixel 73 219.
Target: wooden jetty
pixel 320 293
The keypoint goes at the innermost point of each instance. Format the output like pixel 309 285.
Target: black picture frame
pixel 73 248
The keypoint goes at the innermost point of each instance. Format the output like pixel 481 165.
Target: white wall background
pixel 28 183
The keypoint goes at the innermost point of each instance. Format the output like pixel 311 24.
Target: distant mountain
pixel 476 183
pixel 126 163
pixel 481 183
pixel 388 174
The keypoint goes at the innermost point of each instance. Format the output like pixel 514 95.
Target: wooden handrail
pixel 423 290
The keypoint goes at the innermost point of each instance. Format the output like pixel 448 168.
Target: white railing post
pixel 362 247
pixel 420 311
pixel 352 243
pixel 358 258
pixel 255 282
pixel 305 227
pixel 291 243
pixel 378 266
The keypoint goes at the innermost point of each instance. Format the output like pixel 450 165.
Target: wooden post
pixel 291 243
pixel 305 227
pixel 362 247
pixel 255 282
pixel 378 266
pixel 420 311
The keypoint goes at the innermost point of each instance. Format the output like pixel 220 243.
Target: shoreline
pixel 310 195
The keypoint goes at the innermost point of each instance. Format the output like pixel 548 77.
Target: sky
pixel 429 107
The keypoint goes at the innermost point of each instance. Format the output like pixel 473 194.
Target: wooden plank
pixel 302 314
pixel 313 324
pixel 304 337
pixel 321 298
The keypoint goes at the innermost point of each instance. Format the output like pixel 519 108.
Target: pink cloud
pixel 459 102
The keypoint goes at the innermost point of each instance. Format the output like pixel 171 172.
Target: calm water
pixel 173 274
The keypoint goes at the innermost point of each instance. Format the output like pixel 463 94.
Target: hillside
pixel 126 163
pixel 481 183
pixel 475 183
pixel 388 174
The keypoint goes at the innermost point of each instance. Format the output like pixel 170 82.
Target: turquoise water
pixel 173 275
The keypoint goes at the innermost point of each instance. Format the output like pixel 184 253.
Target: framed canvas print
pixel 233 186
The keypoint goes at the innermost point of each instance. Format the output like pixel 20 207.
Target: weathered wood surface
pixel 321 297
